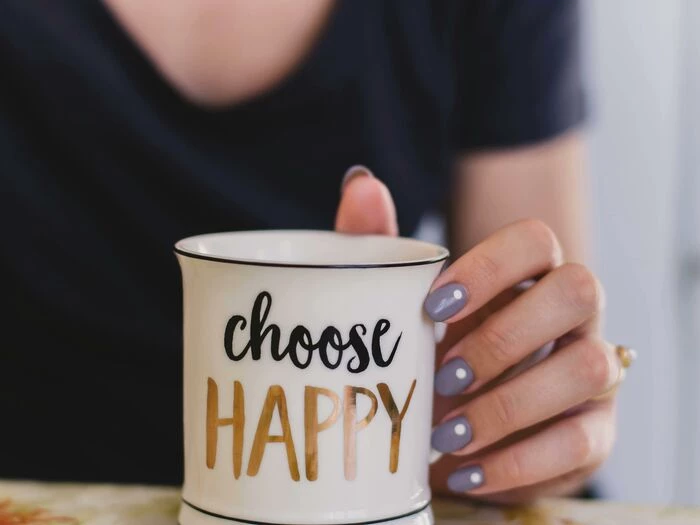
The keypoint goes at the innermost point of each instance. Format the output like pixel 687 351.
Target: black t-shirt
pixel 103 166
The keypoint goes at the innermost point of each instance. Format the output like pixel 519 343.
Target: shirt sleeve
pixel 518 72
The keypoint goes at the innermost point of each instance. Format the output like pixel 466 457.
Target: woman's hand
pixel 540 432
pixel 510 435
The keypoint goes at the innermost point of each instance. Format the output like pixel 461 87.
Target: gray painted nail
pixel 453 377
pixel 352 172
pixel 466 479
pixel 446 301
pixel 452 435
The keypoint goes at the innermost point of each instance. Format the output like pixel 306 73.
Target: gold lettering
pixel 275 398
pixel 312 426
pixel 351 426
pixel 214 422
pixel 396 419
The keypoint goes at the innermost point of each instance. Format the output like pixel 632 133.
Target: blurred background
pixel 643 60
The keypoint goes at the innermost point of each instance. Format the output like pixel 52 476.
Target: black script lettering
pixel 258 331
pixel 300 336
pixel 228 337
pixel 361 352
pixel 331 336
pixel 380 329
pixel 300 340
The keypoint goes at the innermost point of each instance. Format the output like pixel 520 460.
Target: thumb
pixel 365 205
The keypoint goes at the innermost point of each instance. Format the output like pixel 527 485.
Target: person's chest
pixel 218 53
pixel 374 88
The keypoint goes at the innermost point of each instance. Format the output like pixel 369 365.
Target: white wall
pixel 644 71
pixel 687 486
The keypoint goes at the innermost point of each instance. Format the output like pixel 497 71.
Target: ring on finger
pixel 625 357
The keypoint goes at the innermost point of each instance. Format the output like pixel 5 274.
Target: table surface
pixel 28 503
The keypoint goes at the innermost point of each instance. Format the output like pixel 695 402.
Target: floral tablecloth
pixel 26 503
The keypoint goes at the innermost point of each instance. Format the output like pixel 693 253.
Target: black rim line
pixel 299 265
pixel 252 522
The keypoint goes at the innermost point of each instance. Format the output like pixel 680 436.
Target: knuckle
pixel 595 366
pixel 543 239
pixel 513 465
pixel 504 410
pixel 498 342
pixel 581 443
pixel 581 288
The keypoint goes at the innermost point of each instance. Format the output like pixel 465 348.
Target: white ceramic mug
pixel 308 380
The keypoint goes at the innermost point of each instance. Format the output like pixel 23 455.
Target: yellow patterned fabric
pixel 27 503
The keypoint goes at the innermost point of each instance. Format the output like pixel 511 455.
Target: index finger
pixel 514 253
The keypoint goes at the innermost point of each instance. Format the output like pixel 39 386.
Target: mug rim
pixel 441 253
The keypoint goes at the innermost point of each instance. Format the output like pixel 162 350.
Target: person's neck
pixel 219 52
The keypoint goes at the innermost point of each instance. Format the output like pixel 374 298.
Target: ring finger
pixel 578 372
pixel 565 298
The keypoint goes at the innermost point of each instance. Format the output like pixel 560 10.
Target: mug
pixel 308 377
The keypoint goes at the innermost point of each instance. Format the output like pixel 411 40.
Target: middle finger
pixel 566 379
pixel 561 301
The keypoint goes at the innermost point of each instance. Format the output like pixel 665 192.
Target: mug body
pixel 308 377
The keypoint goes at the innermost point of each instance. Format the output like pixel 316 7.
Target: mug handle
pixel 440 329
pixel 434 456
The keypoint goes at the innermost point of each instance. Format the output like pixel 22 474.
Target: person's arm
pixel 496 188
pixel 544 181
pixel 517 223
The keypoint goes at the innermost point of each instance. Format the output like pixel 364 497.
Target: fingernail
pixel 525 285
pixel 453 377
pixel 451 435
pixel 354 171
pixel 446 301
pixel 466 479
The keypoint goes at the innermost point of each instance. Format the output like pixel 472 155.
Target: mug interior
pixel 309 248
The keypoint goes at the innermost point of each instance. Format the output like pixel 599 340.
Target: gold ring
pixel 626 356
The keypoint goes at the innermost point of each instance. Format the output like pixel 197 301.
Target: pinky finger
pixel 569 445
pixel 563 486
